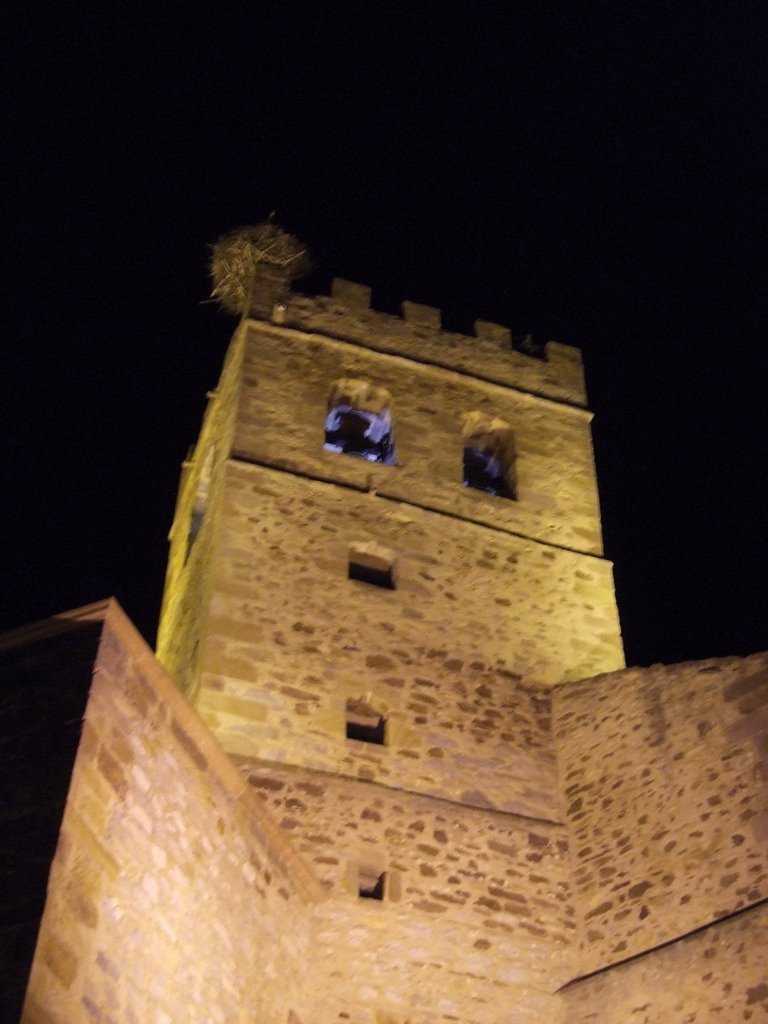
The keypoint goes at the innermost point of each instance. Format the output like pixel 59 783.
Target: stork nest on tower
pixel 243 255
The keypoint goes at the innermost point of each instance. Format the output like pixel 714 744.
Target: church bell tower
pixel 386 552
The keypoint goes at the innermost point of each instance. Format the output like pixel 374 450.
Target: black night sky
pixel 595 172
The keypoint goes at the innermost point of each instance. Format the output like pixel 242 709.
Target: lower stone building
pixel 187 885
pixel 387 765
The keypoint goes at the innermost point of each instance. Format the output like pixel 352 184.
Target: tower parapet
pixel 347 316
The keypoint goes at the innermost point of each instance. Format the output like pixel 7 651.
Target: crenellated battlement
pixel 489 355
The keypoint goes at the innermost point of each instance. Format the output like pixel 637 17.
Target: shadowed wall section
pixel 45 673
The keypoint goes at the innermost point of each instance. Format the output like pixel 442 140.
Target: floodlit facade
pixel 388 765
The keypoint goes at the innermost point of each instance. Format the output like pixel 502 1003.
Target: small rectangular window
pixel 370 574
pixel 370 731
pixel 364 722
pixel 371 884
pixel 372 563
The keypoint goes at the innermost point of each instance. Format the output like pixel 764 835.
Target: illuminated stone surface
pixel 562 840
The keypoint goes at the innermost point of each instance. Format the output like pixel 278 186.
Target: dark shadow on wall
pixel 45 676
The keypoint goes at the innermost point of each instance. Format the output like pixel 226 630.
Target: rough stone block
pixel 351 294
pixel 488 331
pixel 421 316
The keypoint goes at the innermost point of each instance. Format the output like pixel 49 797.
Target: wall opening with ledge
pixel 489 455
pixel 371 883
pixel 373 563
pixel 359 421
pixel 364 723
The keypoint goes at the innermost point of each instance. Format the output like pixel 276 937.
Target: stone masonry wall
pixel 194 527
pixel 476 912
pixel 287 379
pixel 716 976
pixel 386 965
pixel 665 772
pixel 172 897
pixel 444 657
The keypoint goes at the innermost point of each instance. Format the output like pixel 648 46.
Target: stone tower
pixel 418 785
pixel 372 499
pixel 386 549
